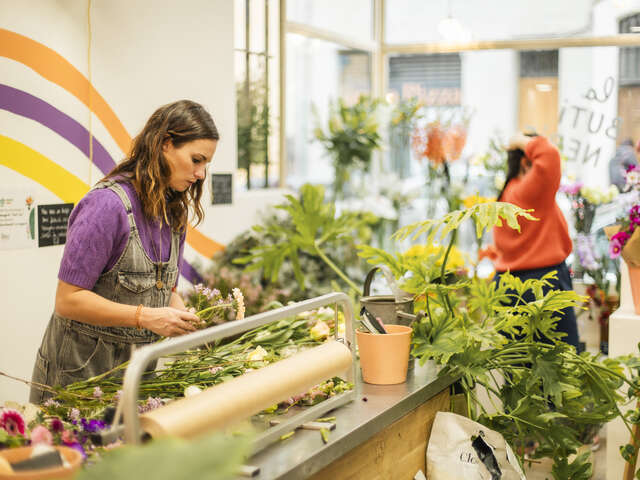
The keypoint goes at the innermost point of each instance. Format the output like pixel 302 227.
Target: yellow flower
pixel 456 258
pixel 257 355
pixel 472 200
pixel 320 330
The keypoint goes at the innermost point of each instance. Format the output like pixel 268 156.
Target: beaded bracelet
pixel 137 317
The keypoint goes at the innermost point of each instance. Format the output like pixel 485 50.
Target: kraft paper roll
pixel 224 404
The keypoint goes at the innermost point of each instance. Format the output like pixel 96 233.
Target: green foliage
pixel 212 457
pixel 350 137
pixel 11 441
pixel 314 229
pixel 487 334
pixel 253 124
pixel 485 215
pixel 579 469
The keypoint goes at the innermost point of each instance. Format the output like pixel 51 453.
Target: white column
pixel 624 335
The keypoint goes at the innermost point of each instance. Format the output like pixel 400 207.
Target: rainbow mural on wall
pixel 45 171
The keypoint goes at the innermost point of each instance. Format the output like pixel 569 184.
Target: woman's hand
pixel 518 140
pixel 168 321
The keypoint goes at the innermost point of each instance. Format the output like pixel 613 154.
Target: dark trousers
pixel 567 317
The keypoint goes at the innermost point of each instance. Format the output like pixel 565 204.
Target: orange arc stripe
pixel 201 243
pixel 58 70
pixel 55 68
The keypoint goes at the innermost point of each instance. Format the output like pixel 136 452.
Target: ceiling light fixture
pixel 451 30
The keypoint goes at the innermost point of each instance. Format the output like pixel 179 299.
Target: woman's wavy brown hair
pixel 148 170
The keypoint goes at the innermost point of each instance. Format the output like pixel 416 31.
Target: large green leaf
pixel 486 215
pixel 213 457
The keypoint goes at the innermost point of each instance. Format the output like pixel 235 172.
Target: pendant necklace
pixel 158 262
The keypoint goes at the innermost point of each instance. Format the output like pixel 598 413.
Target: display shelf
pixel 374 418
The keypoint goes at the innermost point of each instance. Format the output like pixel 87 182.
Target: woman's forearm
pixel 88 307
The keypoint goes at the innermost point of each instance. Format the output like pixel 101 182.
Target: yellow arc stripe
pixel 68 187
pixel 34 165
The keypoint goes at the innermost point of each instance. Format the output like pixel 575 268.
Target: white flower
pixel 320 330
pixel 498 180
pixel 257 355
pixel 192 390
pixel 239 298
pixel 326 311
pixel 288 351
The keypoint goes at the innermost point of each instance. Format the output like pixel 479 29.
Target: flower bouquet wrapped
pixel 624 240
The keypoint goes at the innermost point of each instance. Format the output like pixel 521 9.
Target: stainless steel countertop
pixel 304 453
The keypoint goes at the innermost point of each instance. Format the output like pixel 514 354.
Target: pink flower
pixel 12 422
pixel 56 425
pixel 214 370
pixel 97 392
pixel 68 438
pixel 74 414
pixel 614 249
pixel 621 238
pixel 40 434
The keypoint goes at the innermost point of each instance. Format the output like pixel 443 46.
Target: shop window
pixel 318 73
pixel 256 69
pixel 538 91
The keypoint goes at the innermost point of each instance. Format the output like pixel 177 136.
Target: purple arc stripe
pixel 26 105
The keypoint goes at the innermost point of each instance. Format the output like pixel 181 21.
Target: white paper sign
pixel 17 219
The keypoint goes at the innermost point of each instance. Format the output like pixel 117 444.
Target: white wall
pixel 490 87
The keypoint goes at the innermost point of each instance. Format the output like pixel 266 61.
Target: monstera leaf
pixel 485 215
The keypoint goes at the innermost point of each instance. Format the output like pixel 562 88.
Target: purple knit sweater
pixel 98 233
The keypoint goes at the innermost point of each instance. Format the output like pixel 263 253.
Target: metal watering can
pixel 396 309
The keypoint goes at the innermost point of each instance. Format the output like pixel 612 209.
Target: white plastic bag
pixel 461 449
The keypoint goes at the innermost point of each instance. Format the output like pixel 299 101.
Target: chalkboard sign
pixel 221 189
pixel 52 224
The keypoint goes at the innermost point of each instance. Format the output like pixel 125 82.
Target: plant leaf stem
pixel 335 268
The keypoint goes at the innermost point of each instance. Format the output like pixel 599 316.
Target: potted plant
pixel 539 390
pixel 350 137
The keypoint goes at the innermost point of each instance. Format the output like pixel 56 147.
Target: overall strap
pixel 118 190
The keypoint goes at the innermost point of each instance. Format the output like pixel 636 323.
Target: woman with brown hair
pixel 120 267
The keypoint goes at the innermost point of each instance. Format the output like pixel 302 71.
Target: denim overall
pixel 72 351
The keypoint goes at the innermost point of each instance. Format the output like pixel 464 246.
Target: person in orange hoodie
pixel 533 178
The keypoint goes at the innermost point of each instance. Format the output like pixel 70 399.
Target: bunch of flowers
pixel 632 178
pixel 584 201
pixel 627 227
pixel 213 308
pixel 71 431
pixel 439 144
pixel 427 253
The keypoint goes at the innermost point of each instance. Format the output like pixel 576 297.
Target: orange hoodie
pixel 541 243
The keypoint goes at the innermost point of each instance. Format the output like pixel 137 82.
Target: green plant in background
pixel 539 387
pixel 350 137
pixel 253 125
pixel 314 230
pixel 404 115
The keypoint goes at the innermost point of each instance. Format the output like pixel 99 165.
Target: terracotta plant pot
pixel 634 280
pixel 13 455
pixel 384 359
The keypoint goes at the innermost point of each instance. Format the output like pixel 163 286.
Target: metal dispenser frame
pixel 145 355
